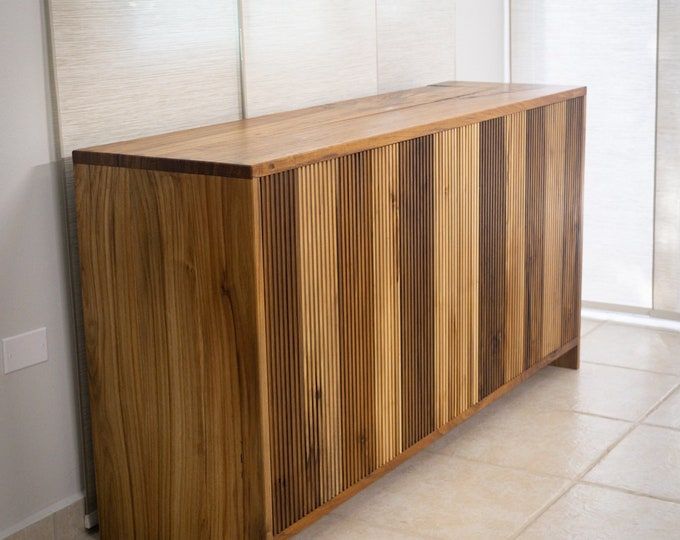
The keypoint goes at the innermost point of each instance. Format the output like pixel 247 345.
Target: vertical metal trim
pixel 656 155
pixel 76 322
pixel 242 60
pixel 507 53
pixel 377 52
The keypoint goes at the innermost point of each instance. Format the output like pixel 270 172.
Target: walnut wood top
pixel 259 146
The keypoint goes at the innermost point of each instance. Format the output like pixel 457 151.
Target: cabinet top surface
pixel 267 144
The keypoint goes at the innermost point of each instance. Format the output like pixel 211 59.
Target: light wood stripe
pixel 387 305
pixel 515 260
pixel 553 238
pixel 456 271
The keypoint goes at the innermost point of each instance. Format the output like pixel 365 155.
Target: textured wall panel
pixel 127 69
pixel 405 284
pixel 303 52
pixel 610 47
pixel 416 43
pixel 667 237
pixel 480 40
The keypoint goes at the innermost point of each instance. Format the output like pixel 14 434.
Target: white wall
pixel 39 460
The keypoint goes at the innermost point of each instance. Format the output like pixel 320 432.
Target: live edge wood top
pixel 268 144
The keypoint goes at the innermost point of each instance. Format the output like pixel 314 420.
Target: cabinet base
pixel 570 359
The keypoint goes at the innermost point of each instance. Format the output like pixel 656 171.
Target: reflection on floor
pixel 593 453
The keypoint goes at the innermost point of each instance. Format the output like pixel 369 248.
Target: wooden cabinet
pixel 280 309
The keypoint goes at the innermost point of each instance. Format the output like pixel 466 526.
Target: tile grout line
pixel 630 491
pixel 677 375
pixel 580 478
pixel 502 466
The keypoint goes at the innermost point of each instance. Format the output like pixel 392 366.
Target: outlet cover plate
pixel 24 350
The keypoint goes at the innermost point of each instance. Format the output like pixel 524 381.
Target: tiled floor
pixel 593 453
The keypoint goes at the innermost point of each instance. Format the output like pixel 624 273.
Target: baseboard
pixel 633 316
pixel 41 514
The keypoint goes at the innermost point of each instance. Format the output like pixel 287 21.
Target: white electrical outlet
pixel 24 350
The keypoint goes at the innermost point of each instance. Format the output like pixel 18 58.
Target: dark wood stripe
pixel 535 225
pixel 571 289
pixel 492 231
pixel 355 274
pixel 416 232
pixel 279 196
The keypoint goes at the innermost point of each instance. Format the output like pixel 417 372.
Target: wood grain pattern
pixel 274 143
pixel 383 297
pixel 171 317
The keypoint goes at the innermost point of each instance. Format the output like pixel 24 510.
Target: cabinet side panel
pixel 170 297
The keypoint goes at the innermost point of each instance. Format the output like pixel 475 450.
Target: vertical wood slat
pixel 573 230
pixel 456 269
pixel 417 295
pixel 492 233
pixel 387 304
pixel 430 273
pixel 515 259
pixel 534 230
pixel 553 237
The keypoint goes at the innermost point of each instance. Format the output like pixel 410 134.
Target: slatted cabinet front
pixel 406 283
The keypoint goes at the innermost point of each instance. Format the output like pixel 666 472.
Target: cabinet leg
pixel 569 359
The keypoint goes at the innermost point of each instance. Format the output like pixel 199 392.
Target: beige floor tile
pixel 595 512
pixel 588 325
pixel 634 347
pixel 42 530
pixel 448 497
pixel 615 392
pixel 668 414
pixel 557 442
pixel 334 527
pixel 69 523
pixel 646 461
